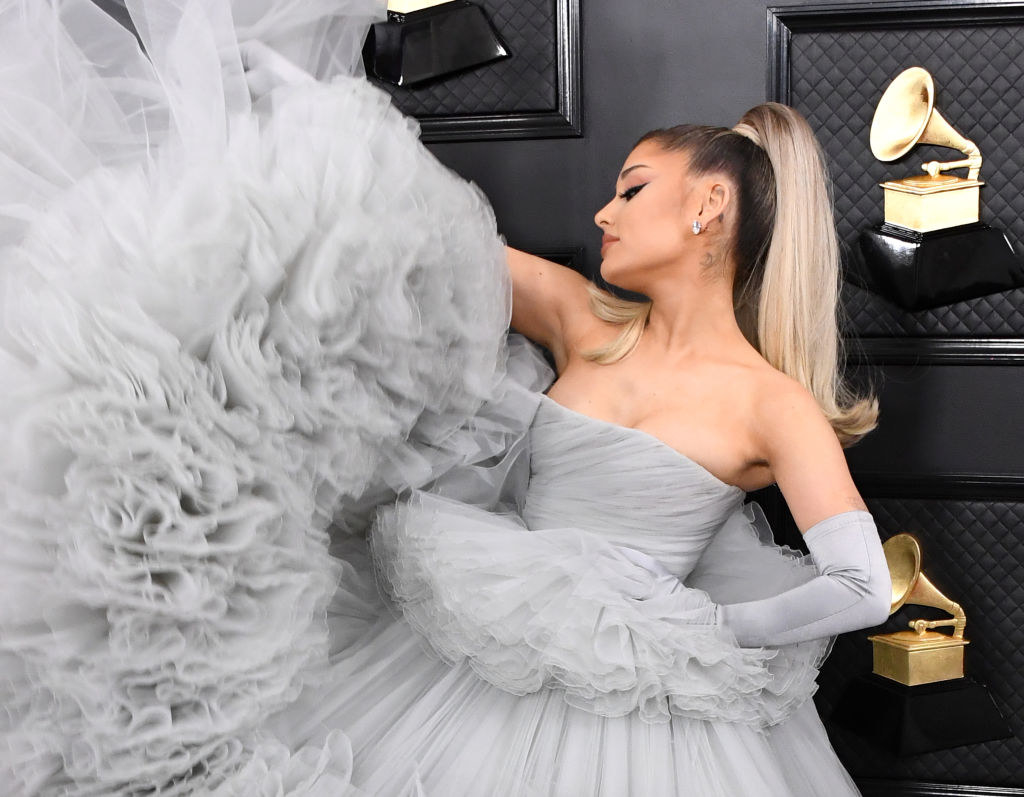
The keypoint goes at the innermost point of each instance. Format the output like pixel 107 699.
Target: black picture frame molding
pixel 563 121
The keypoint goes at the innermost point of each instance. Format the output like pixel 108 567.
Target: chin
pixel 622 278
pixel 611 272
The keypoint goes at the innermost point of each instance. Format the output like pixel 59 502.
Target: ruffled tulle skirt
pixel 421 724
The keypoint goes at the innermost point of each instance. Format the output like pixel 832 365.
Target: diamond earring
pixel 697 227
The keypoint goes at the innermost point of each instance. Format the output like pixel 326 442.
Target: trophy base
pixel 919 270
pixel 924 203
pixel 908 720
pixel 413 48
pixel 912 659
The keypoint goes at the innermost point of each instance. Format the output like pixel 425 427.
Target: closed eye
pixel 629 193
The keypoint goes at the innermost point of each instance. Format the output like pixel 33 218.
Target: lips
pixel 606 241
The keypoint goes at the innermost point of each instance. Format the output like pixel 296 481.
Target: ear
pixel 716 199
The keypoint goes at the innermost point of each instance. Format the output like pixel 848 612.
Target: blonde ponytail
pixel 797 328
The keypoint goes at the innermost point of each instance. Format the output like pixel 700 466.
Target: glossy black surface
pixel 413 49
pixel 909 720
pixel 919 270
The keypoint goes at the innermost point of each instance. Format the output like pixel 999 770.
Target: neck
pixel 692 315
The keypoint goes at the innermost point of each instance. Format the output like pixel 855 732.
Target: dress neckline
pixel 632 429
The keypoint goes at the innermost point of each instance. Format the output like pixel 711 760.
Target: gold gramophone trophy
pixel 905 117
pixel 920 656
pixel 917 698
pixel 932 248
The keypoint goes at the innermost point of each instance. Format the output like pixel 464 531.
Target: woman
pixel 231 324
pixel 735 355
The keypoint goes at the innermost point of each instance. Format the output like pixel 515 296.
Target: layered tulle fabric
pixel 421 726
pixel 562 608
pixel 559 589
pixel 220 323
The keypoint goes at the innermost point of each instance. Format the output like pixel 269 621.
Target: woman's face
pixel 648 223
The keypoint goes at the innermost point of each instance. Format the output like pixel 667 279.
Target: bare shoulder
pixel 802 450
pixel 785 407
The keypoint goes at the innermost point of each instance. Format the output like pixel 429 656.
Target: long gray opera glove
pixel 853 589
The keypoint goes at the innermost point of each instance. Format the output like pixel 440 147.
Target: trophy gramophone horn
pixel 910 585
pixel 906 115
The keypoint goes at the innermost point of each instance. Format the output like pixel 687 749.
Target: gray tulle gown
pixel 513 646
pixel 282 511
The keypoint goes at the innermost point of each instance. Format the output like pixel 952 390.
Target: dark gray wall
pixel 645 64
pixel 945 419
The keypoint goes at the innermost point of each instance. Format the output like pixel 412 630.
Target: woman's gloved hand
pixel 647 562
pixel 665 582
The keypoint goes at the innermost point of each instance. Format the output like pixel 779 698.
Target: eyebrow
pixel 631 168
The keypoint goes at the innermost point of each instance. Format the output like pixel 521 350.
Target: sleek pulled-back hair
pixel 784 249
pixel 720 150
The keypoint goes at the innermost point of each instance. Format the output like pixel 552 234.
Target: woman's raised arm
pixel 546 300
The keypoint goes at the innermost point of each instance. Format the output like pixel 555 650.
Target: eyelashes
pixel 629 193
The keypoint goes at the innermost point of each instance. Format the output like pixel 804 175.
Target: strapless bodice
pixel 625 485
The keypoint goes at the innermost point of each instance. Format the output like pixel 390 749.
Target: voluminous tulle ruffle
pixel 562 608
pixel 220 323
pixel 507 661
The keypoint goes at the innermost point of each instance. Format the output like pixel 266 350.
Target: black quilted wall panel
pixel 836 78
pixel 997 315
pixel 527 81
pixel 973 551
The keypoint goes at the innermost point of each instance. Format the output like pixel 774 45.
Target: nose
pixel 603 217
